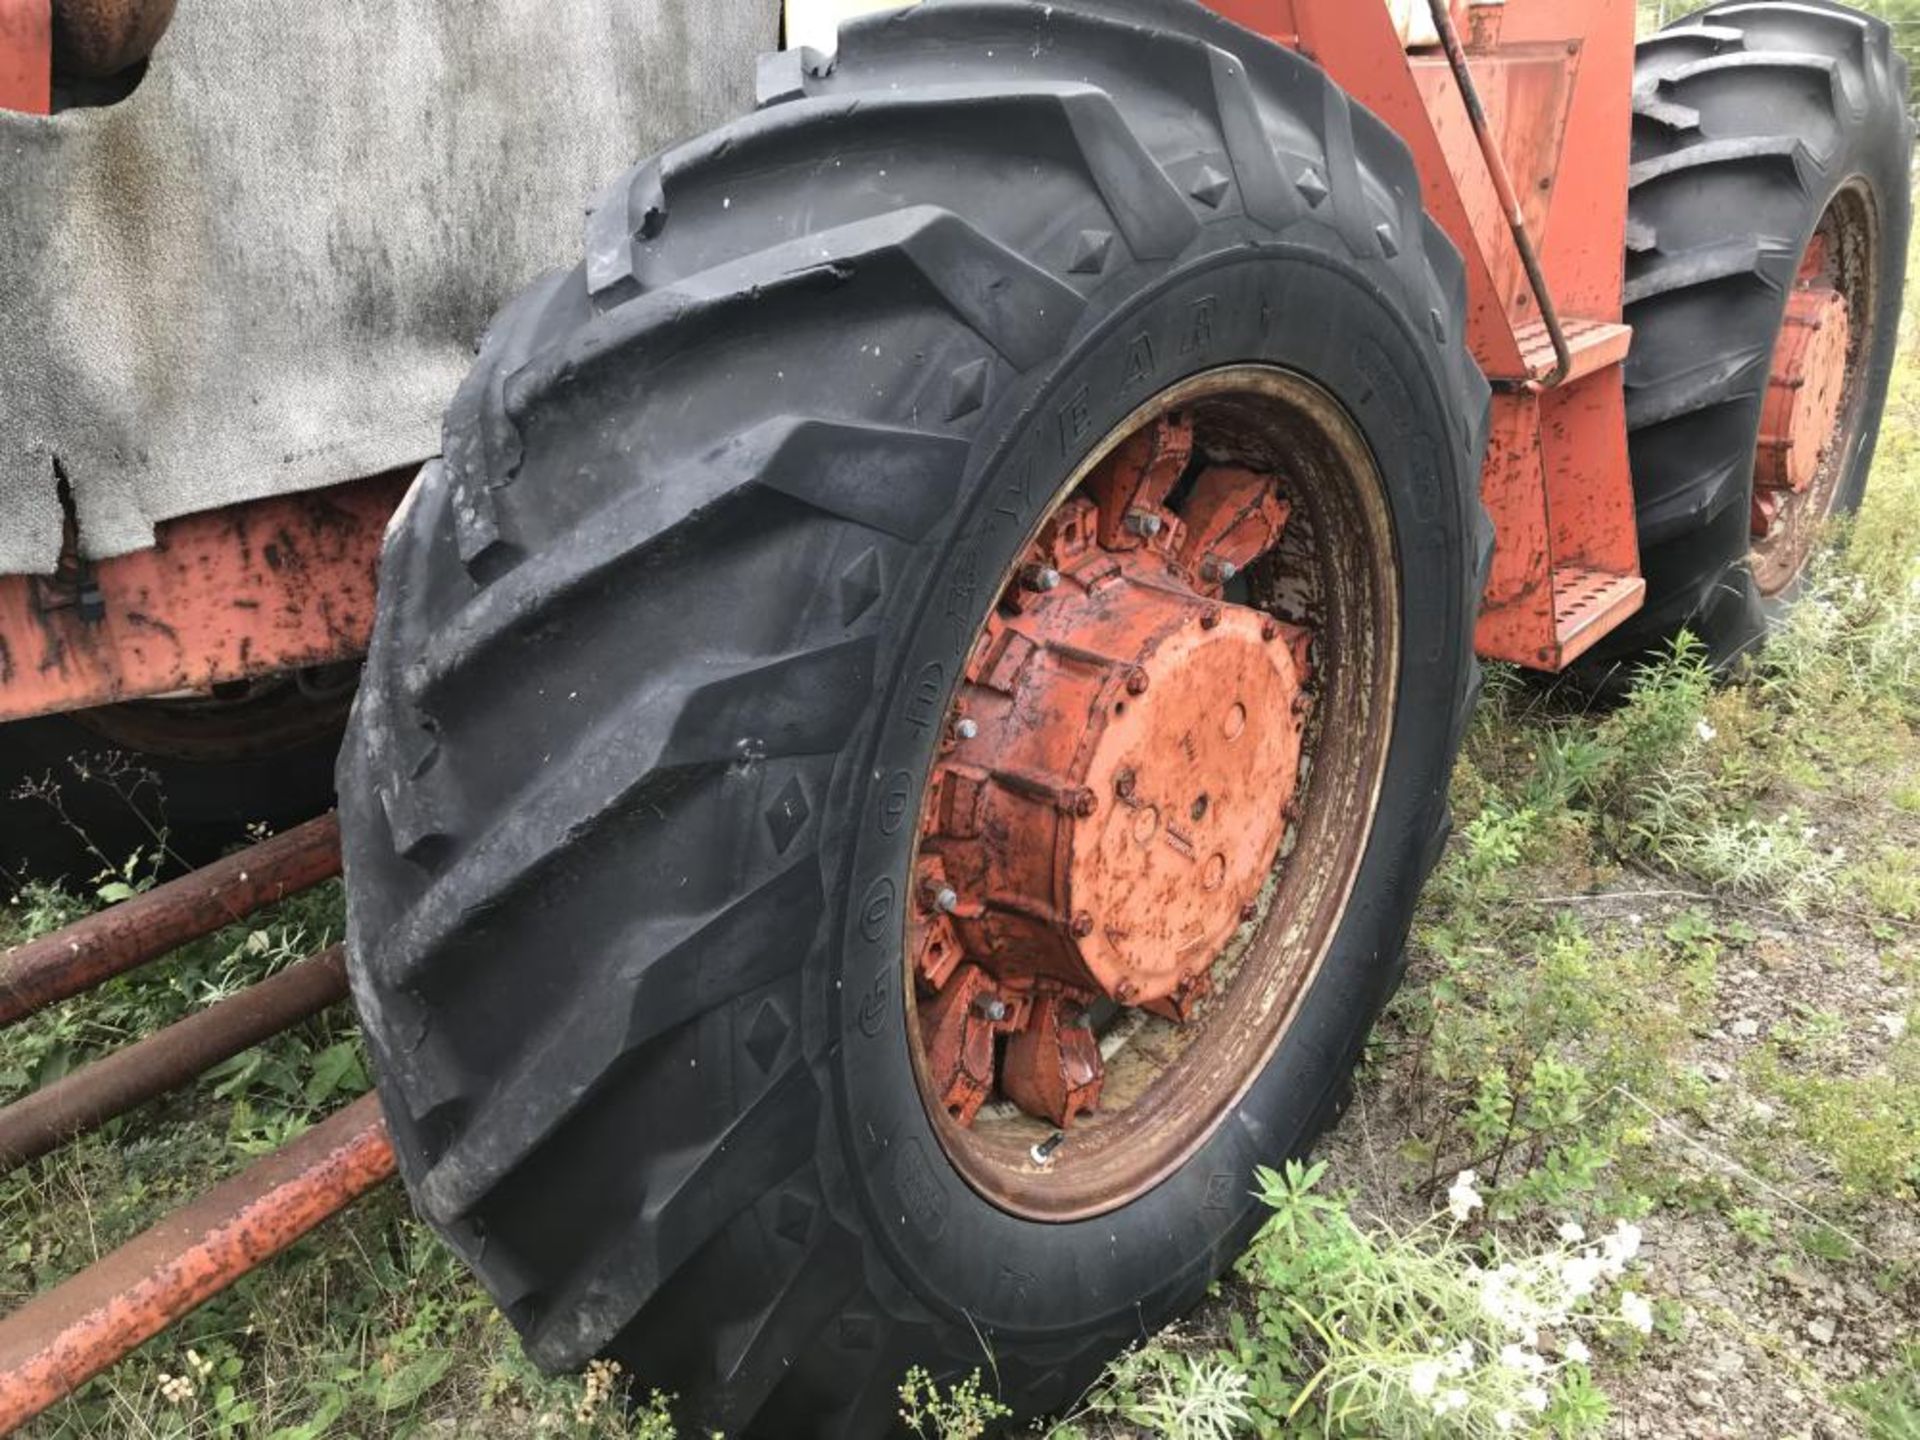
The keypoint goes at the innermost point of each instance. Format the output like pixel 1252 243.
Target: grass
pixel 1664 978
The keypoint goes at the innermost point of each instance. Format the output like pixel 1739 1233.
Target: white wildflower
pixel 1424 1378
pixel 1449 1401
pixel 1503 1420
pixel 1619 1248
pixel 1520 1358
pixel 1459 1360
pixel 1636 1312
pixel 1576 1350
pixel 1580 1273
pixel 1462 1198
pixel 1534 1398
pixel 1705 731
pixel 1571 1232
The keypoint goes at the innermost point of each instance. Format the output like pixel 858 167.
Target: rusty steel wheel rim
pixel 1816 392
pixel 1230 534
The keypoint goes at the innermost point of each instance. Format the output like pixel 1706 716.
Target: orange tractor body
pixel 274 584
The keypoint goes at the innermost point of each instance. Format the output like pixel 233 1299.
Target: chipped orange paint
pixel 1115 787
pixel 60 1339
pixel 26 56
pixel 1800 414
pixel 224 595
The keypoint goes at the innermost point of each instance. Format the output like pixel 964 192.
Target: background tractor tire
pixel 83 792
pixel 658 642
pixel 1748 120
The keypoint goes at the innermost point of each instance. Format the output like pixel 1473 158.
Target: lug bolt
pixel 1136 682
pixel 1082 925
pixel 1084 804
pixel 1123 784
pixel 989 1007
pixel 1143 523
pixel 1219 571
pixel 944 899
pixel 1041 578
pixel 1209 617
pixel 966 728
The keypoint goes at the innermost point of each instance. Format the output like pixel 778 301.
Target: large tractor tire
pixel 901 742
pixel 1767 246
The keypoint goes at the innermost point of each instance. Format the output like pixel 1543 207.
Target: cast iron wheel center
pixel 1112 796
pixel 1152 789
pixel 1811 412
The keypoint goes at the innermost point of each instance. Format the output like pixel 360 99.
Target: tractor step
pixel 1587 604
pixel 1594 345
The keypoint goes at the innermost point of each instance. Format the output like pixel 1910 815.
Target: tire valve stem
pixel 1042 1154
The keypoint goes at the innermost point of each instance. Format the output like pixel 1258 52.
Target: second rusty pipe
pixel 1503 189
pixel 83 954
pixel 169 1058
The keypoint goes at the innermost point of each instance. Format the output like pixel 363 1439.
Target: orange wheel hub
pixel 1114 788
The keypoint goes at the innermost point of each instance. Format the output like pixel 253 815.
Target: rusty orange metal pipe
pixel 56 966
pixel 1503 188
pixel 58 1341
pixel 164 1061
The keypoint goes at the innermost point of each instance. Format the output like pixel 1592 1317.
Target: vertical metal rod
pixel 169 1058
pixel 1503 188
pixel 59 1340
pixel 135 931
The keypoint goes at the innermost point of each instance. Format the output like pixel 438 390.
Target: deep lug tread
pixel 1788 98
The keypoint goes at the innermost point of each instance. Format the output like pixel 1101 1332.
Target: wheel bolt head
pixel 1209 617
pixel 1040 578
pixel 1082 925
pixel 1123 784
pixel 1143 523
pixel 989 1007
pixel 1084 804
pixel 1219 571
pixel 966 728
pixel 1137 682
pixel 944 899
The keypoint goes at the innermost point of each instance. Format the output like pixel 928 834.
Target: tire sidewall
pixel 1286 305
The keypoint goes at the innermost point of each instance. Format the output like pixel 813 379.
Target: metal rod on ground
pixel 57 1341
pixel 115 940
pixel 163 1061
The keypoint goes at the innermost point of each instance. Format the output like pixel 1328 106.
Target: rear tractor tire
pixel 1767 246
pixel 901 742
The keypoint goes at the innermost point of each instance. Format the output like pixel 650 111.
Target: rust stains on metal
pixel 26 56
pixel 1114 788
pixel 87 1097
pixel 59 1340
pixel 1800 415
pixel 83 954
pixel 275 584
